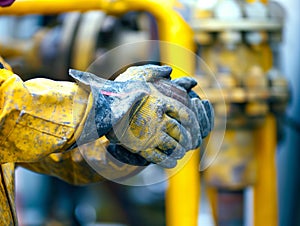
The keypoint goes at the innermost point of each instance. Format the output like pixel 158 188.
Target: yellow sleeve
pixel 38 117
pixel 86 164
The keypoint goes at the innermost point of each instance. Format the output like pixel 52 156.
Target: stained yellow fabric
pixel 39 120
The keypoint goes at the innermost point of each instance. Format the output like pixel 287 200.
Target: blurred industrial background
pixel 251 47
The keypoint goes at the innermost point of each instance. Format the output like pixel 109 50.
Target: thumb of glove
pixel 185 82
pixel 111 100
pixel 147 73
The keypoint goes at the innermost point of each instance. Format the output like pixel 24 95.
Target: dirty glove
pixel 203 108
pixel 162 127
pixel 144 121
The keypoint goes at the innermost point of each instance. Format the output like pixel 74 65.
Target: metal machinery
pixel 239 41
pixel 237 46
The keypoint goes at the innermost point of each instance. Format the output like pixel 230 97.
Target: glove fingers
pixel 158 157
pixel 186 82
pixel 210 112
pixel 187 118
pixel 193 94
pixel 179 112
pixel 171 147
pixel 178 132
pixel 203 119
pixel 178 152
pixel 166 144
pixel 168 163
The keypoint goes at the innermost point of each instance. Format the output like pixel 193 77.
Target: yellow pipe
pixel 183 194
pixel 21 7
pixel 182 199
pixel 212 197
pixel 172 28
pixel 262 1
pixel 265 189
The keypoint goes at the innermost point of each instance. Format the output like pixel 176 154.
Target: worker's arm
pixel 40 120
pixel 38 117
pixel 42 117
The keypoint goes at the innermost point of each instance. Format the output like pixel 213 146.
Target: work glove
pixel 202 108
pixel 187 129
pixel 135 115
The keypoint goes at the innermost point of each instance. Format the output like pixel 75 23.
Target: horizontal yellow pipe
pixel 21 7
pixel 171 26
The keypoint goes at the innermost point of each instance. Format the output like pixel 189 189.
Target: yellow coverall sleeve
pixel 39 120
pixel 37 117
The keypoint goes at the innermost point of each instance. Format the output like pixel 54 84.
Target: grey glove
pixel 203 108
pixel 176 90
pixel 145 95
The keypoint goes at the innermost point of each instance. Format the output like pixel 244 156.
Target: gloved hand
pixel 203 108
pixel 161 132
pixel 144 121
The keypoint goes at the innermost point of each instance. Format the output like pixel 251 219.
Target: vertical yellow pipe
pixel 183 194
pixel 212 196
pixel 265 189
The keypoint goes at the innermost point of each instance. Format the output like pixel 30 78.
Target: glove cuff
pixel 98 121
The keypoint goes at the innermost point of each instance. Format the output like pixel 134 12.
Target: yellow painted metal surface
pixel 252 1
pixel 234 167
pixel 172 27
pixel 21 7
pixel 265 188
pixel 182 197
pixel 212 196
